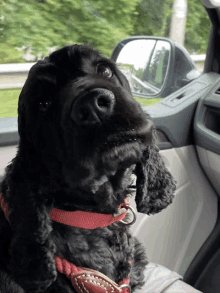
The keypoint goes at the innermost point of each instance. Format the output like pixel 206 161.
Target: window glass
pixel 30 30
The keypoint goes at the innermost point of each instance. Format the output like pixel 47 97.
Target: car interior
pixel 185 236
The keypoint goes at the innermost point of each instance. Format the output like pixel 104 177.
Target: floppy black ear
pixel 41 85
pixel 155 184
pixel 31 250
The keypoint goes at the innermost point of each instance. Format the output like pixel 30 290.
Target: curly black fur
pixel 70 165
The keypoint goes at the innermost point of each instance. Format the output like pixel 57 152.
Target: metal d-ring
pixel 134 216
pixel 125 286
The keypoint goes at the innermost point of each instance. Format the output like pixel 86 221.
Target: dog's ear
pixel 61 57
pixel 31 250
pixel 155 185
pixel 39 88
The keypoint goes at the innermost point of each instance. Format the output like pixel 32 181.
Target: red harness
pixel 84 280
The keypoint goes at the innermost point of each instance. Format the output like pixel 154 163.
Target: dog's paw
pixel 36 286
pixel 33 267
pixel 37 279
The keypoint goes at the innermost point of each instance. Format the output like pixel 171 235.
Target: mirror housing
pixel 154 66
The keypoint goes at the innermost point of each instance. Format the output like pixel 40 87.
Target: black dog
pixel 82 136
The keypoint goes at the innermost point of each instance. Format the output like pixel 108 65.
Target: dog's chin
pixel 121 155
pixel 114 159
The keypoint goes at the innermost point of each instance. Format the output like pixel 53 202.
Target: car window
pixel 30 30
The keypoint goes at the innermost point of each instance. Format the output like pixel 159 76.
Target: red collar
pixel 87 220
pixel 80 219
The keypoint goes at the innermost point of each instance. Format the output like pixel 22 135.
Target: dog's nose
pixel 93 107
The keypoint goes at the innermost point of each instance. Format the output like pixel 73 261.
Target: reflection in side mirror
pixel 155 67
pixel 145 64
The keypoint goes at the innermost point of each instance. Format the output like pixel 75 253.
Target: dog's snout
pixel 93 107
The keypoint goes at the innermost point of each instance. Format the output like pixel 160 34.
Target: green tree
pixel 153 18
pixel 197 27
pixel 42 24
pixel 48 23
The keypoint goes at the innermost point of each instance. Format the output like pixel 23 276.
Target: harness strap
pixel 4 206
pixel 90 281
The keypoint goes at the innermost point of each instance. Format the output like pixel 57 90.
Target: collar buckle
pixel 134 216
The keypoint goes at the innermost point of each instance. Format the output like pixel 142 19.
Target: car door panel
pixel 174 115
pixel 203 272
pixel 211 164
pixel 207 134
pixel 174 236
pixel 8 131
pixel 7 153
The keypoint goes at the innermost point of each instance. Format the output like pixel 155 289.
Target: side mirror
pixel 154 67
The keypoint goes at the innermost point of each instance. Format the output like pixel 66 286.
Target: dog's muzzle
pixel 93 107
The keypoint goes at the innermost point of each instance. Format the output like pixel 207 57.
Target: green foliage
pixel 9 102
pixel 147 102
pixel 197 27
pixel 139 73
pixel 8 54
pixel 153 17
pixel 44 24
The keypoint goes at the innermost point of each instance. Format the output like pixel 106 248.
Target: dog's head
pixel 77 118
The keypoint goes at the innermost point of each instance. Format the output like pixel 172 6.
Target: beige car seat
pixel 159 279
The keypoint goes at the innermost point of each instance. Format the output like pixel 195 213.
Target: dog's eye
pixel 44 106
pixel 104 70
